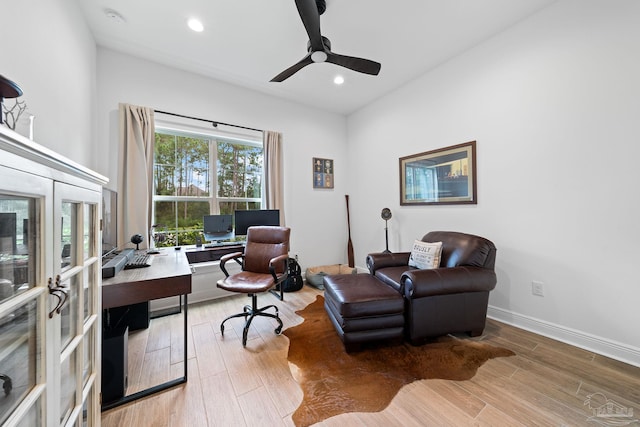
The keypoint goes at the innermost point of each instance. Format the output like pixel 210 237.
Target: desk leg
pixel 186 327
pixel 160 387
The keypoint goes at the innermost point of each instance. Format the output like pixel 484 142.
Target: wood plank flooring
pixel 546 384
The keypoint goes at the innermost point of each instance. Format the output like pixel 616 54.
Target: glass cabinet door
pixel 50 275
pixel 76 236
pixel 23 296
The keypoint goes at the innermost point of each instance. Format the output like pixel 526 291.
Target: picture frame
pixel 446 176
pixel 322 173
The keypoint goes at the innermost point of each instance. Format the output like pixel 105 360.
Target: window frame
pixel 213 137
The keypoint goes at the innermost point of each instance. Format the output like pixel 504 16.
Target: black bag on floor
pixel 294 281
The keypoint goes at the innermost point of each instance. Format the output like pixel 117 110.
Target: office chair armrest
pixel 284 258
pixel 236 256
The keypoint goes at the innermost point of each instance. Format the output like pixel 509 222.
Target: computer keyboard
pixel 139 261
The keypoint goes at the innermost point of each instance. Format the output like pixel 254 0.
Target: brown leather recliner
pixel 450 299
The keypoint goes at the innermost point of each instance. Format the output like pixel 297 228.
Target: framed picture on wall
pixel 445 176
pixel 322 173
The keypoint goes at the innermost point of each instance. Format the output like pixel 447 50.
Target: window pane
pixel 19 356
pixel 18 228
pixel 181 166
pixel 69 238
pixel 239 170
pixel 33 416
pixel 87 367
pixel 68 320
pixel 164 164
pixel 178 223
pixel 230 207
pixel 87 238
pixel 88 291
pixel 67 386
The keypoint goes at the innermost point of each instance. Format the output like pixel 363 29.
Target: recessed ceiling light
pixel 195 25
pixel 338 80
pixel 114 16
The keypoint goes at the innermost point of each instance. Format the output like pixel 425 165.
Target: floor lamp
pixel 386 215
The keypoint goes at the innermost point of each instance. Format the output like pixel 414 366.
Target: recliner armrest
pixel 445 281
pixel 376 261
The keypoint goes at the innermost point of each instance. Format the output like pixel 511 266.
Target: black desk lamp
pixel 386 215
pixel 8 89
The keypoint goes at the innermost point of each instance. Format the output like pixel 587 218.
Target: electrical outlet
pixel 537 288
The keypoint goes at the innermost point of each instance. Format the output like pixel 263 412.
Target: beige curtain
pixel 135 183
pixel 274 188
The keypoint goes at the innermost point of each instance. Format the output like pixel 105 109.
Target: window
pixel 197 174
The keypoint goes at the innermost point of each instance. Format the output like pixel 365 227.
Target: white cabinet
pixel 50 275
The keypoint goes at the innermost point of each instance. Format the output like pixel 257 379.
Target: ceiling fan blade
pixel 310 16
pixel 293 69
pixel 356 64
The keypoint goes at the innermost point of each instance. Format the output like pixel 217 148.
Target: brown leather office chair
pixel 264 266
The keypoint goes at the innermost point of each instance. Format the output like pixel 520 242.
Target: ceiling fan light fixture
pixel 319 56
pixel 195 25
pixel 319 47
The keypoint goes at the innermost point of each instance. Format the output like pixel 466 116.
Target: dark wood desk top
pixel 169 275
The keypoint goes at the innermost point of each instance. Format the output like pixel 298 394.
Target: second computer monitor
pixel 246 219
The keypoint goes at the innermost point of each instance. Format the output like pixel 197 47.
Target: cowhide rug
pixel 335 382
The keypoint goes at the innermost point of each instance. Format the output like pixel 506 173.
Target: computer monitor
pixel 109 221
pixel 218 227
pixel 245 219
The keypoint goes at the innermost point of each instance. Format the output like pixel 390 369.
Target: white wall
pixel 49 52
pixel 554 104
pixel 317 217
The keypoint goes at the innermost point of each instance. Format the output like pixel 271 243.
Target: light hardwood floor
pixel 547 383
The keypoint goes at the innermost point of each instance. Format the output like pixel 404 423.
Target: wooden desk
pixel 168 276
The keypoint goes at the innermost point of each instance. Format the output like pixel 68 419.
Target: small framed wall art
pixel 322 173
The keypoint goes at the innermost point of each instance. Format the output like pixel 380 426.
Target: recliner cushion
pixel 362 295
pixel 391 276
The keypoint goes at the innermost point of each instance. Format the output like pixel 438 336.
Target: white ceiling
pixel 248 42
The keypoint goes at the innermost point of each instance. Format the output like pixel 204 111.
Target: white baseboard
pixel 599 345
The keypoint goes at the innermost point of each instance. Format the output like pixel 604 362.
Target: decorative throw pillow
pixel 425 255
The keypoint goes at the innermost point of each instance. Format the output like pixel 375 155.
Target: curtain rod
pixel 213 122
